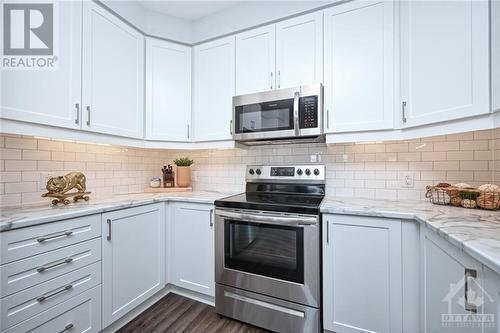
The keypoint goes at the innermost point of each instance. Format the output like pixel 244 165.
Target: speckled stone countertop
pixel 19 217
pixel 476 232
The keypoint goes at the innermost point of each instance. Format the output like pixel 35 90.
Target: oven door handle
pixel 296 125
pixel 298 221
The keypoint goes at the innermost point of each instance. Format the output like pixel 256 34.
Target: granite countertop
pixel 19 217
pixel 476 232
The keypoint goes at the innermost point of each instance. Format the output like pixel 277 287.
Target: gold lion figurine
pixel 58 187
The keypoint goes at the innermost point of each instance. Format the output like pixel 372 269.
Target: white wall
pixel 247 15
pixel 153 23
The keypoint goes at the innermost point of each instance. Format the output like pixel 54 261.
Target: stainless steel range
pixel 268 249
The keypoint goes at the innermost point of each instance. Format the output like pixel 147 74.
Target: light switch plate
pixel 407 180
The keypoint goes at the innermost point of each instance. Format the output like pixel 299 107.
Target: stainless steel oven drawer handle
pixel 298 220
pixel 263 304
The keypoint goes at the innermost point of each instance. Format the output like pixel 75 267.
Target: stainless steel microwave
pixel 279 114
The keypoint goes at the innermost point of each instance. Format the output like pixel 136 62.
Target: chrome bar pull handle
pixel 211 218
pixel 46 238
pixel 279 79
pixel 403 112
pixel 328 118
pixel 88 115
pixel 271 85
pixel 231 127
pixel 67 328
pixel 45 297
pixel 109 229
pixel 469 274
pixel 327 232
pixel 44 268
pixel 77 107
pixel 188 131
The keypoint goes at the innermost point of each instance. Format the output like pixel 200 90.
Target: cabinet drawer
pixel 79 314
pixel 28 272
pixel 26 242
pixel 27 303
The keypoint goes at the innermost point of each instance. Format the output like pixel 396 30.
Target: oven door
pixel 269 253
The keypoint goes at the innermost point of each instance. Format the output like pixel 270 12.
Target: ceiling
pixel 189 10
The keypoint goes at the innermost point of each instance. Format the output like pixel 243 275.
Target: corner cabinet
pixel 49 97
pixel 359 69
pixel 133 258
pixel 362 274
pixel 452 284
pixel 213 90
pixel 444 60
pixel 193 247
pixel 168 91
pixel 113 74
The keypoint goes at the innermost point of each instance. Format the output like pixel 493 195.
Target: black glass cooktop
pixel 282 202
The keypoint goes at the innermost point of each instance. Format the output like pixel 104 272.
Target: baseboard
pixel 210 300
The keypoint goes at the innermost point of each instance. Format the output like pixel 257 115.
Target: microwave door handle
pixel 296 113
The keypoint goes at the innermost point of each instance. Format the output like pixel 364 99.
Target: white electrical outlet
pixel 407 180
pixel 44 177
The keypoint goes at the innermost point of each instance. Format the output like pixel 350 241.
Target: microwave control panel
pixel 308 112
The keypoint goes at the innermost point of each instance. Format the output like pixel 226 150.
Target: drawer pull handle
pixel 44 268
pixel 46 238
pixel 469 274
pixel 44 297
pixel 67 328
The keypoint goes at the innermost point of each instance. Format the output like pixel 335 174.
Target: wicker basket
pixel 489 200
pixel 439 194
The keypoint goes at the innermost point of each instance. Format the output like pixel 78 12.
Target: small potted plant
pixel 183 171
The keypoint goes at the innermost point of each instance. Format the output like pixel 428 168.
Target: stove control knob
pixel 251 171
pixel 299 172
pixel 316 172
pixel 258 171
pixel 308 172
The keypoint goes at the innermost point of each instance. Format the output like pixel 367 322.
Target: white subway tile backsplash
pixel 371 170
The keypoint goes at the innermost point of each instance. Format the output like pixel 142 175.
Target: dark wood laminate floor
pixel 174 313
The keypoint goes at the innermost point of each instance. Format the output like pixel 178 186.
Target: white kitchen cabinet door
pixel 168 91
pixel 133 258
pixel 113 74
pixel 213 90
pixel 362 274
pixel 495 55
pixel 193 247
pixel 449 280
pixel 49 96
pixel 444 60
pixel 299 51
pixel 255 60
pixel 359 83
pixel 491 305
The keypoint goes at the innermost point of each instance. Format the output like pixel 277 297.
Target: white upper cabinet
pixel 255 60
pixel 444 60
pixel 299 51
pixel 113 74
pixel 495 55
pixel 359 53
pixel 213 90
pixel 49 96
pixel 168 91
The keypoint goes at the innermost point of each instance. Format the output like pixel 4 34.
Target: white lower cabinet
pixel 452 286
pixel 362 274
pixel 80 314
pixel 193 247
pixel 133 258
pixel 491 308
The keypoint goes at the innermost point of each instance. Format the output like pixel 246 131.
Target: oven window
pixel 261 117
pixel 264 249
